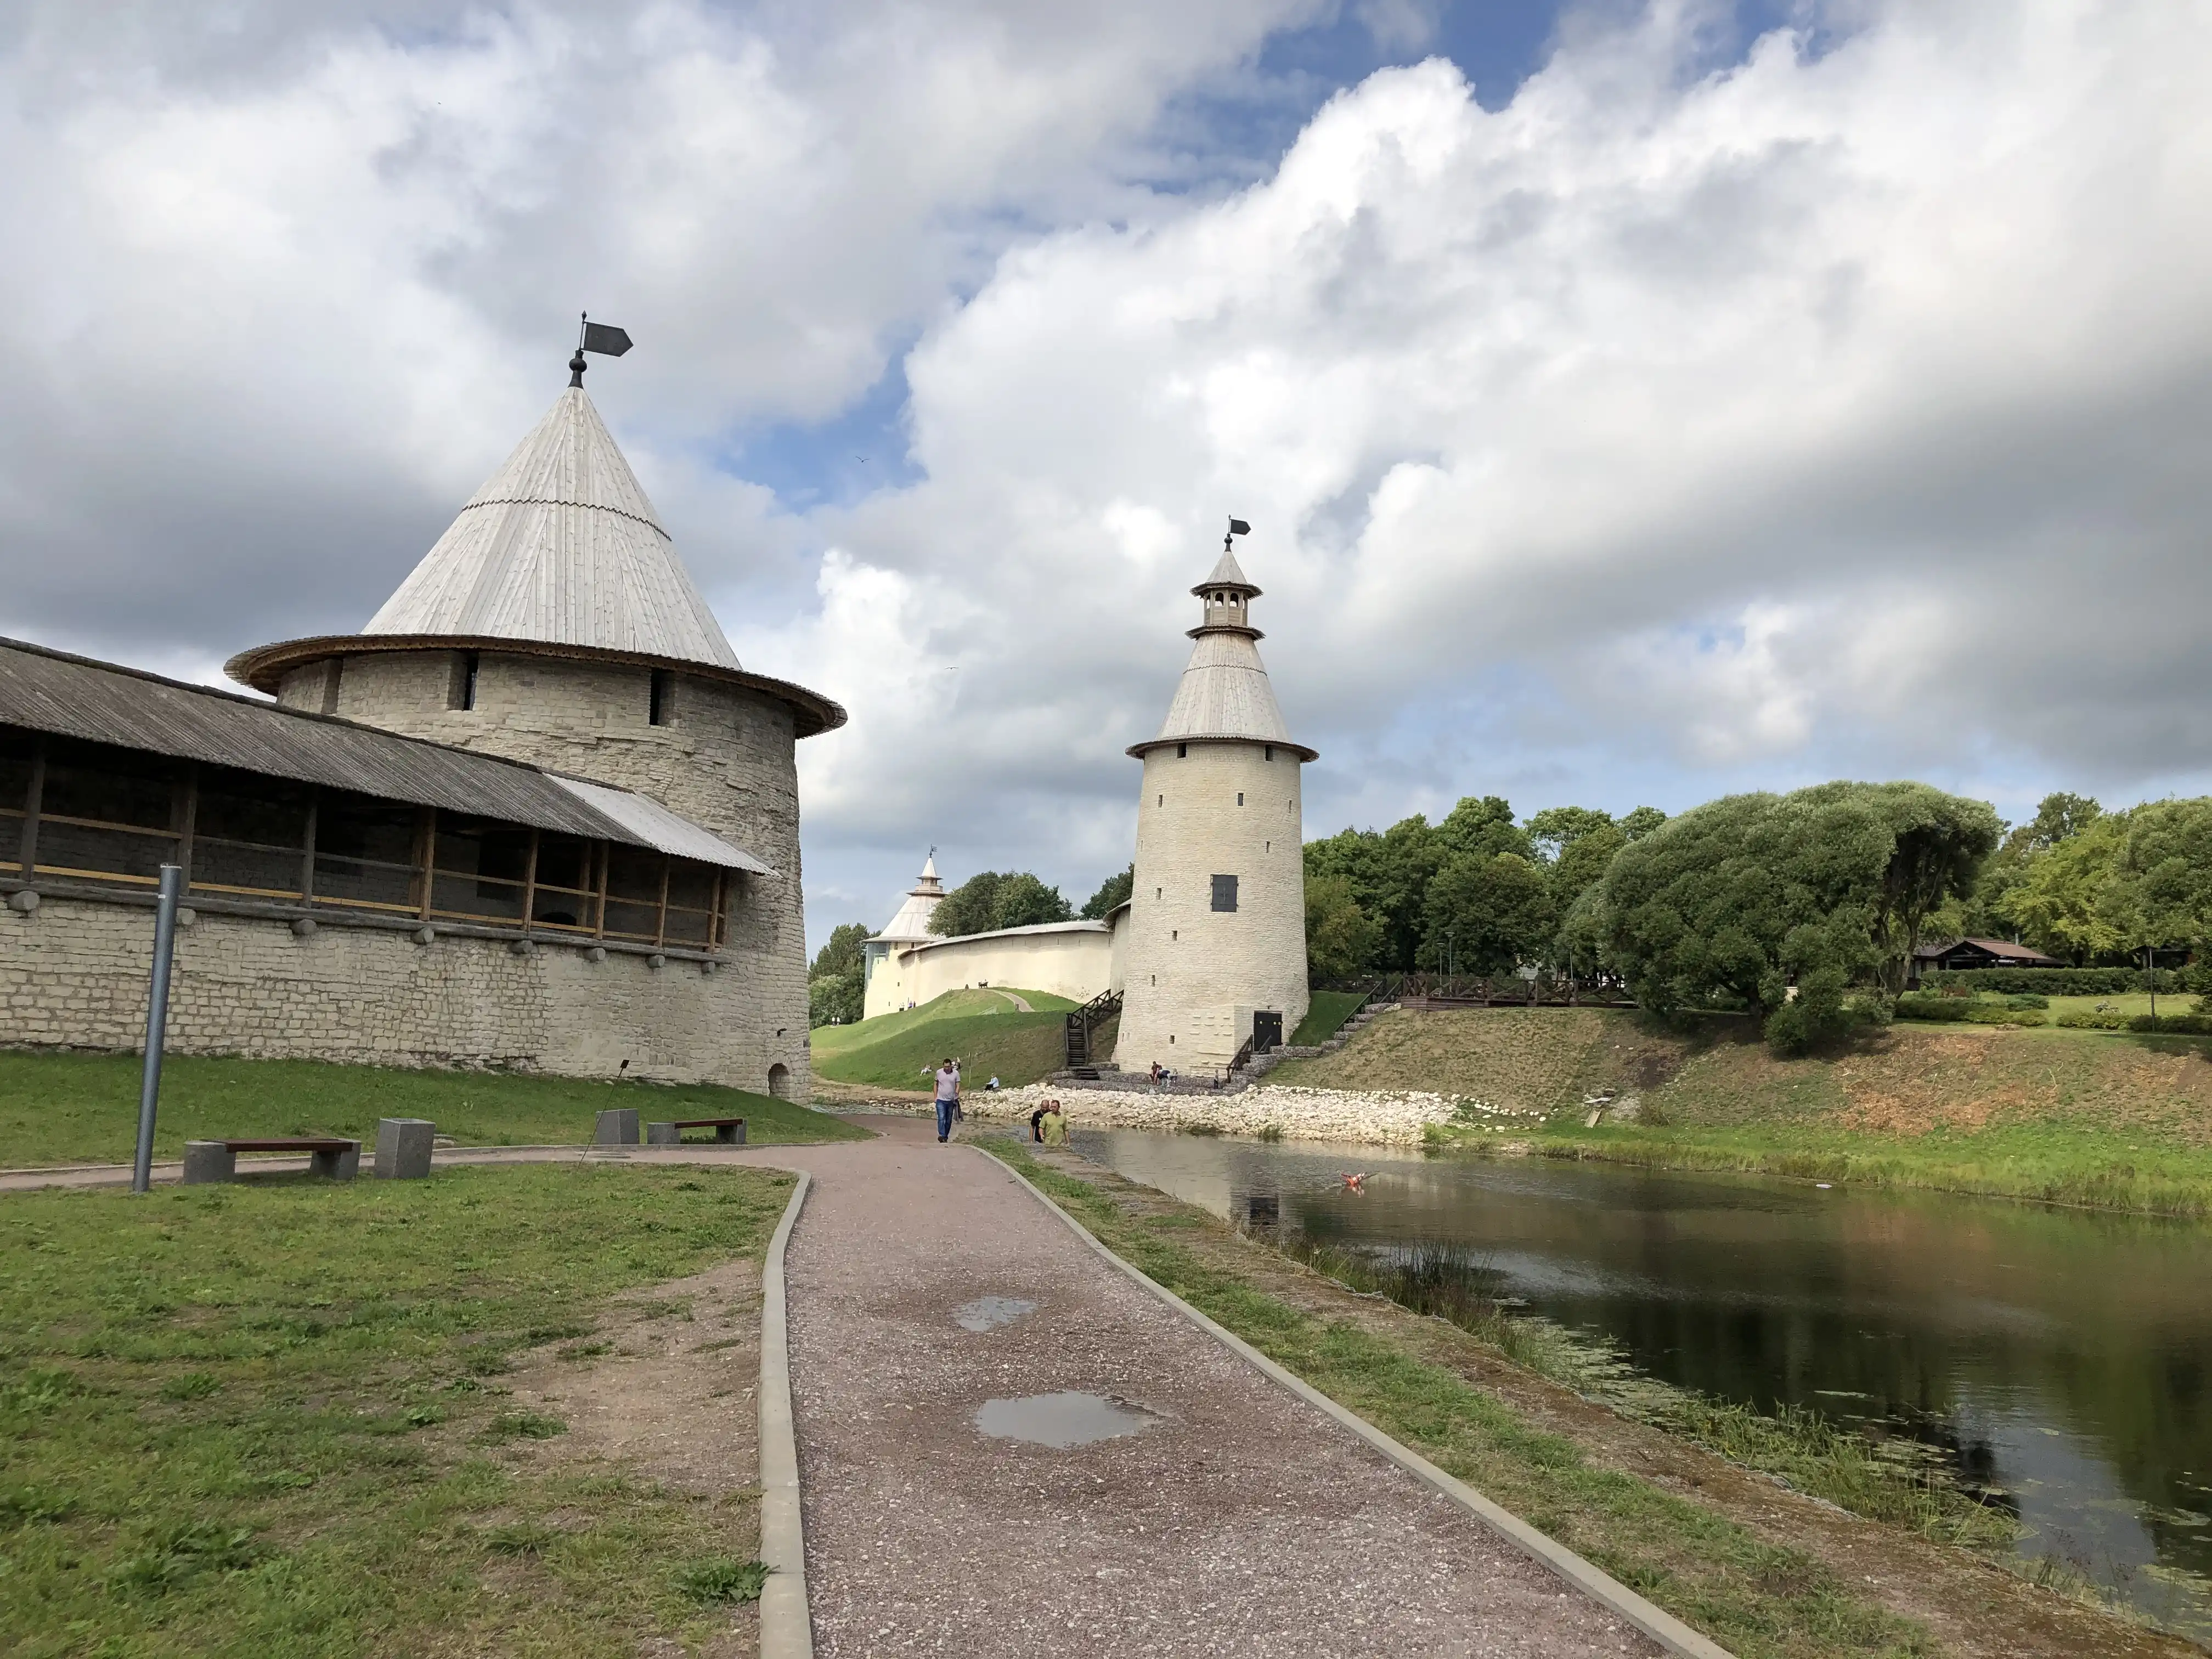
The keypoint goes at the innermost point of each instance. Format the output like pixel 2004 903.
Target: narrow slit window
pixel 1182 751
pixel 1240 797
pixel 331 673
pixel 461 687
pixel 1271 751
pixel 660 704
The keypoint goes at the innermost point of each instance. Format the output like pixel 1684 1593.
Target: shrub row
pixel 2064 981
pixel 2183 1024
pixel 1962 1010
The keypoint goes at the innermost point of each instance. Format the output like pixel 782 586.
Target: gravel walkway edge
pixel 1608 1592
pixel 786 1629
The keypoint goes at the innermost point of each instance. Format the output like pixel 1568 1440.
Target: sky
pixel 1631 403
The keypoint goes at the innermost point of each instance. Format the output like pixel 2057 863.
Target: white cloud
pixel 1824 410
pixel 1663 430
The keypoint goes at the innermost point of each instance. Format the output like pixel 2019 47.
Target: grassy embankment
pixel 991 1036
pixel 2104 1118
pixel 1704 1539
pixel 266 1419
pixel 83 1108
pixel 1324 1018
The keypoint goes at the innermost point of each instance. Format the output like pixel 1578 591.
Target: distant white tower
pixel 885 992
pixel 1217 947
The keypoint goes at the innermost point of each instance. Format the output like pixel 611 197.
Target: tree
pixel 2061 895
pixel 836 985
pixel 1342 938
pixel 990 900
pixel 1556 829
pixel 1483 827
pixel 1112 894
pixel 841 953
pixel 1642 822
pixel 1487 915
pixel 2161 889
pixel 1784 901
pixel 1390 874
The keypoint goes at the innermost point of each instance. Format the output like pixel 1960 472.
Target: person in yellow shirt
pixel 1052 1125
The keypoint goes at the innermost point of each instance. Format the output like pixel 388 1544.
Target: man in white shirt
pixel 948 1096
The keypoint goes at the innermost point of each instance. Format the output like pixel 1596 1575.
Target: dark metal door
pixel 1266 1032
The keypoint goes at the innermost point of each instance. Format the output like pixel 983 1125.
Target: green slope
pixel 990 1037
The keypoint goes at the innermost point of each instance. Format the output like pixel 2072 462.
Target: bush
pixel 1918 1004
pixel 2060 981
pixel 2027 999
pixel 2187 1025
pixel 2076 1021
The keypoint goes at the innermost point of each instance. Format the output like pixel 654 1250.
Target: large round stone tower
pixel 554 623
pixel 1216 927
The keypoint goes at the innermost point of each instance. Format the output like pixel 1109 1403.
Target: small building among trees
pixel 1957 955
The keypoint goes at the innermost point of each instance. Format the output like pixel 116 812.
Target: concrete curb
pixel 1608 1592
pixel 787 1630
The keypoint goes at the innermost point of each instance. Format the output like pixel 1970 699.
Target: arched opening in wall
pixel 778 1080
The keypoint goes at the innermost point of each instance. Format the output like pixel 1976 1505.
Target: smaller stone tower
pixel 909 926
pixel 1217 927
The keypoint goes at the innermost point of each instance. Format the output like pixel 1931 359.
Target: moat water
pixel 2060 1360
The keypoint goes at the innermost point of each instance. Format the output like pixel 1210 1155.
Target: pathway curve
pixel 1243 1521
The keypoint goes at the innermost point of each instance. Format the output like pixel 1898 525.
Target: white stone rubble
pixel 1383 1116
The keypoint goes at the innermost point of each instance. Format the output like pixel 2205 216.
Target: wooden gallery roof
pixel 69 696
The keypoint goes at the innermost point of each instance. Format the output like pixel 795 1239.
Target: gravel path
pixel 1240 1521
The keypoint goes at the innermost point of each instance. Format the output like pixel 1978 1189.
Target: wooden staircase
pixel 1082 1023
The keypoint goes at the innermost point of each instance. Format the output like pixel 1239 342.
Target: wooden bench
pixel 218 1160
pixel 728 1130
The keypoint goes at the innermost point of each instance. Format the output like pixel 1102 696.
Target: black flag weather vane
pixel 1236 526
pixel 602 337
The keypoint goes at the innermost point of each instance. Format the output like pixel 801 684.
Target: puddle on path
pixel 988 1313
pixel 1062 1420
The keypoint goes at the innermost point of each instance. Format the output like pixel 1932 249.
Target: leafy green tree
pixel 1556 829
pixel 1482 826
pixel 991 899
pixel 2161 890
pixel 1776 903
pixel 1642 822
pixel 836 989
pixel 1342 938
pixel 1486 915
pixel 841 951
pixel 1390 874
pixel 1112 894
pixel 2062 897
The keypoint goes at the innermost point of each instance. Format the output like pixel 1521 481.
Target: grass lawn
pixel 1325 1016
pixel 990 1036
pixel 266 1419
pixel 83 1108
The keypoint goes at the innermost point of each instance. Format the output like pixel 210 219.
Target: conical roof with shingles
pixel 911 921
pixel 1225 692
pixel 561 545
pixel 1227 573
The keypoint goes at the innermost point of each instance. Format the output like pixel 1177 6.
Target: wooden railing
pixel 1081 1022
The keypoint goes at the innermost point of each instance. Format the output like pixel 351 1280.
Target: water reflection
pixel 2057 1358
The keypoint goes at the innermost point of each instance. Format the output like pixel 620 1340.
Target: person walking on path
pixel 948 1096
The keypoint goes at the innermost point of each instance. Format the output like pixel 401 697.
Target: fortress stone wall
pixel 724 758
pixel 74 973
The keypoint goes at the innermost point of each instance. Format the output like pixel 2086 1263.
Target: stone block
pixel 342 1163
pixel 662 1134
pixel 209 1160
pixel 403 1148
pixel 616 1128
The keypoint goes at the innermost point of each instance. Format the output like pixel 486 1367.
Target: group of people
pixel 1048 1124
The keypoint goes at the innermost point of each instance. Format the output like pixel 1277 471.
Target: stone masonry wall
pixel 75 974
pixel 1194 976
pixel 726 759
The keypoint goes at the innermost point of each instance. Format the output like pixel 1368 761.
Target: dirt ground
pixel 1974 1607
pixel 665 1388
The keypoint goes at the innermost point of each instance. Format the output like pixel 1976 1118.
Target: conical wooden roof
pixel 560 546
pixel 1225 693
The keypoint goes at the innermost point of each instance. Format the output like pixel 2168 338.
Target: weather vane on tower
pixel 607 341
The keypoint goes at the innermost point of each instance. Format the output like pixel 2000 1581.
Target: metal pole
pixel 2150 966
pixel 157 1022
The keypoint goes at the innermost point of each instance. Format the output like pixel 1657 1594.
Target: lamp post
pixel 157 1022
